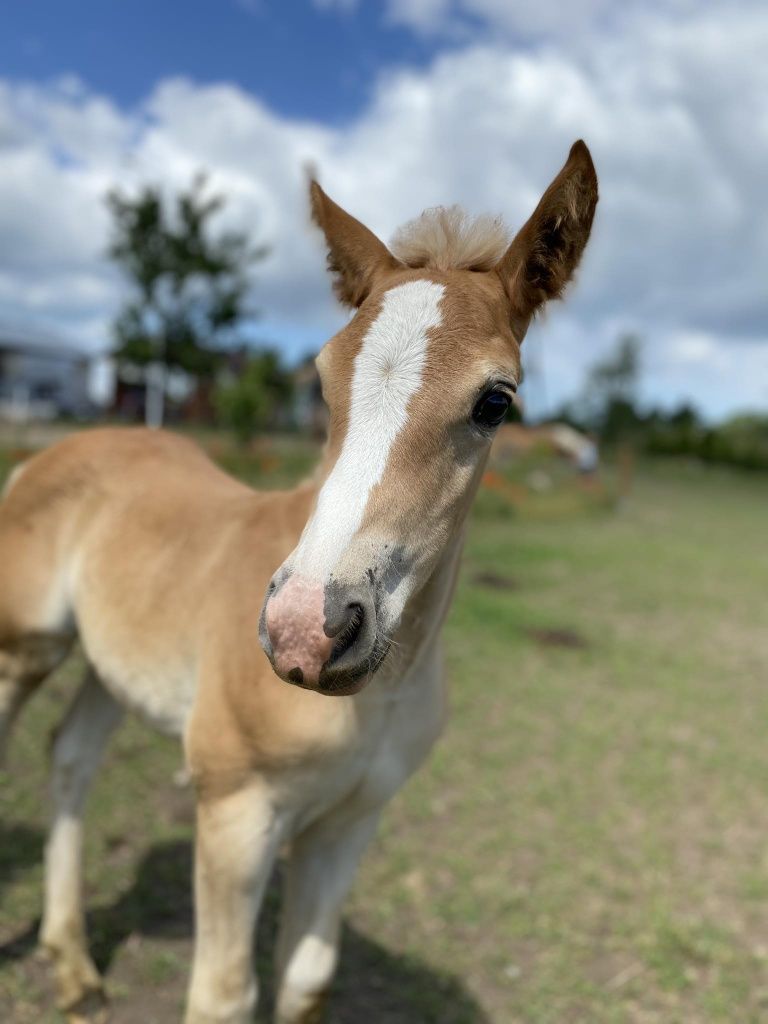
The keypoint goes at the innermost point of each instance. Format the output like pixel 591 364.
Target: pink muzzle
pixel 295 616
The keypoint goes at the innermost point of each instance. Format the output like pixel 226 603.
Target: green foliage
pixel 188 286
pixel 254 400
pixel 740 441
pixel 607 404
pixel 615 378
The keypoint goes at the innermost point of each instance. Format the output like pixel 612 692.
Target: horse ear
pixel 355 255
pixel 546 251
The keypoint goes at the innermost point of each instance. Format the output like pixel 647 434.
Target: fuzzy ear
pixel 546 251
pixel 355 254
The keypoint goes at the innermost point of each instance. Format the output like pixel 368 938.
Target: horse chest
pixel 394 730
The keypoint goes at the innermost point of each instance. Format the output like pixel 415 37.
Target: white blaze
pixel 388 372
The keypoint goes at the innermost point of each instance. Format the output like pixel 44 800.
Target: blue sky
pixel 404 104
pixel 305 61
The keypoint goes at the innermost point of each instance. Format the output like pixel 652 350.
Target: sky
pixel 402 105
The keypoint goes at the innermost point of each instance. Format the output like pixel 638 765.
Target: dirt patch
pixel 495 581
pixel 567 638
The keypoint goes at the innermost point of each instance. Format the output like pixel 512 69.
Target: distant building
pixel 41 377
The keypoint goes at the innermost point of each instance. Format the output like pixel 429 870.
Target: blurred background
pixel 589 842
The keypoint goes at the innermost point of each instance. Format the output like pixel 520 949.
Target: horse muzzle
pixel 322 637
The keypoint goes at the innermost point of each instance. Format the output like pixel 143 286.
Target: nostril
pixel 350 631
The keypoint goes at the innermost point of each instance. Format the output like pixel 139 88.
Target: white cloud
pixel 522 20
pixel 674 112
pixel 422 15
pixel 451 17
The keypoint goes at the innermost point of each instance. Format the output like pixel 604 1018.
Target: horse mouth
pixel 346 682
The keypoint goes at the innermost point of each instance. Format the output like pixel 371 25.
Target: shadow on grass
pixel 376 985
pixel 21 847
pixel 372 984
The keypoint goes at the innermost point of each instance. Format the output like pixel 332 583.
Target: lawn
pixel 589 842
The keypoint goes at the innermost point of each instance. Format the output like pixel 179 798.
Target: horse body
pixel 161 561
pixel 136 542
pixel 290 639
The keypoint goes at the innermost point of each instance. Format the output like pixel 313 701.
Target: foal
pixel 161 563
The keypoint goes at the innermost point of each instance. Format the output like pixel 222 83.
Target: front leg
pixel 324 858
pixel 77 751
pixel 238 836
pixel 320 871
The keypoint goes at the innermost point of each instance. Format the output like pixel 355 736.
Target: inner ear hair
pixel 355 255
pixel 546 251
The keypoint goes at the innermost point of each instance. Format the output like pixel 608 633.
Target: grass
pixel 588 843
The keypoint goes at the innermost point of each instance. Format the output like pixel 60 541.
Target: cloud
pixel 674 111
pixel 518 20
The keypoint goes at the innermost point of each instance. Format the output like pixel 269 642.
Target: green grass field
pixel 589 842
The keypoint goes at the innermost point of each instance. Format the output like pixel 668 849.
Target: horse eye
pixel 491 408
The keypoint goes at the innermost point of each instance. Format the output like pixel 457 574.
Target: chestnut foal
pixel 160 563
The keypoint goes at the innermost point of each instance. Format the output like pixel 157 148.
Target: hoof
pixel 303 1009
pixel 80 993
pixel 91 1008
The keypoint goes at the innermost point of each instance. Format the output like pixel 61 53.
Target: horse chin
pixel 348 682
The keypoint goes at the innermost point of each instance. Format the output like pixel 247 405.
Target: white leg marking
pixel 388 373
pixel 77 753
pixel 322 867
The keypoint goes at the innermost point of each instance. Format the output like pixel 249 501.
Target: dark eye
pixel 491 408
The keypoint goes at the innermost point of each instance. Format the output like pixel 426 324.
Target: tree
pixel 251 400
pixel 188 286
pixel 611 391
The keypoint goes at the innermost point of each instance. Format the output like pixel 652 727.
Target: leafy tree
pixel 253 399
pixel 685 418
pixel 611 391
pixel 188 285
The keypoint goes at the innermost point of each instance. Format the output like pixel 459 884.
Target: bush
pixel 256 398
pixel 740 441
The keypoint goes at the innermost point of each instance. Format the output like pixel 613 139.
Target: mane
pixel 447 238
